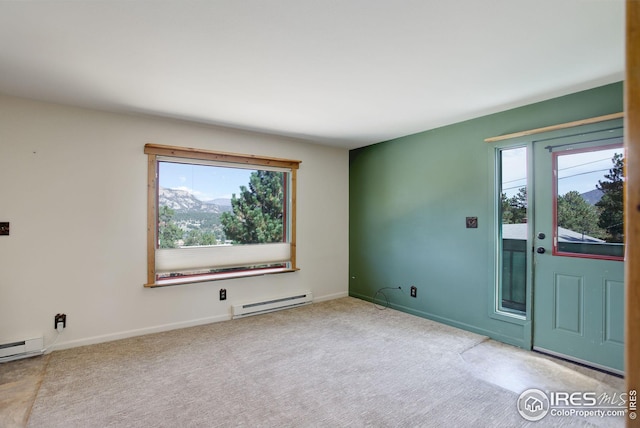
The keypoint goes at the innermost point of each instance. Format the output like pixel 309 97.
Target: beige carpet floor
pixel 19 384
pixel 341 363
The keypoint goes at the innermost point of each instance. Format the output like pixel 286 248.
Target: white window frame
pixel 159 260
pixel 498 309
pixel 495 309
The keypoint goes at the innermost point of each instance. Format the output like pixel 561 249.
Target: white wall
pixel 73 185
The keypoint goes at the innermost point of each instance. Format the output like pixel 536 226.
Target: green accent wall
pixel 409 198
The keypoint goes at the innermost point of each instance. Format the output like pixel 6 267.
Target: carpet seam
pixel 43 372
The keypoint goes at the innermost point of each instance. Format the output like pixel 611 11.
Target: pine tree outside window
pixel 215 215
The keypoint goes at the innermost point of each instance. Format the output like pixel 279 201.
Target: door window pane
pixel 588 203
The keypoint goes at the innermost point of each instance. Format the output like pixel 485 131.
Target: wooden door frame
pixel 632 201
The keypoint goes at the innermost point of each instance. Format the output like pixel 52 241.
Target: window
pixel 588 204
pixel 512 231
pixel 214 215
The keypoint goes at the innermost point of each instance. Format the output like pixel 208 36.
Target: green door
pixel 578 273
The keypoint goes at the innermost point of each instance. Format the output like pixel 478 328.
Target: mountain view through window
pixel 206 205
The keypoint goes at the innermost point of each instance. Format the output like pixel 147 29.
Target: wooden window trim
pixel 555 127
pixel 155 150
pixel 200 154
pixel 152 224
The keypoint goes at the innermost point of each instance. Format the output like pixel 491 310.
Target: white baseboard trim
pixel 330 297
pixel 165 327
pixel 138 332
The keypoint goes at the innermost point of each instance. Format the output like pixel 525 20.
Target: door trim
pixel 632 199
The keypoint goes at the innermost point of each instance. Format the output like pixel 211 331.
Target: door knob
pixel 541 250
pixel 541 235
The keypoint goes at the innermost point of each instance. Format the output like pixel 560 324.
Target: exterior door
pixel 578 273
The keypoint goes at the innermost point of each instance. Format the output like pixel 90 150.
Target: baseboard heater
pixel 277 304
pixel 21 349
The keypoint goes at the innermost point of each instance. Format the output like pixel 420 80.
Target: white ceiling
pixel 339 72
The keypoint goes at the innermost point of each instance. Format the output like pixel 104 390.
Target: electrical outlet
pixel 223 294
pixel 60 318
pixel 414 291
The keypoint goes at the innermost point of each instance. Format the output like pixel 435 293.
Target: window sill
pixel 509 317
pixel 218 277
